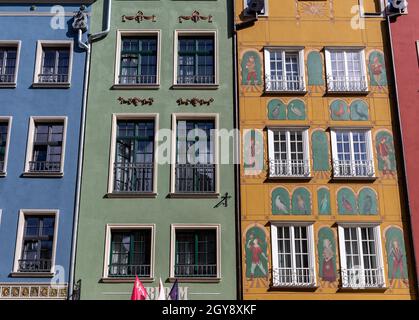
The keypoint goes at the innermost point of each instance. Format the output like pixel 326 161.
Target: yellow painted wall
pixel 315 25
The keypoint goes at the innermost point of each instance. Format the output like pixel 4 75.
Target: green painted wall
pixel 96 209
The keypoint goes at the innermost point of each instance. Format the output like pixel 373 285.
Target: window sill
pixel 118 86
pixel 194 195
pixel 285 92
pixel 125 280
pixel 358 290
pixel 3 174
pixel 31 274
pixel 63 85
pixel 360 93
pixel 195 86
pixel 354 178
pixel 290 177
pixel 196 280
pixel 43 174
pixel 116 195
pixel 7 85
pixel 309 288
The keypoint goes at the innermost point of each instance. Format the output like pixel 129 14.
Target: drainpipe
pixel 415 257
pixel 87 47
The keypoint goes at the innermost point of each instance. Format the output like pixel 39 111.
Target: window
pixel 196 59
pixel 264 11
pixel 284 69
pixel 352 153
pixel 36 241
pixel 346 70
pixel 138 58
pixel 293 255
pixel 195 169
pixel 9 62
pixel 4 142
pixel 45 154
pixel 196 252
pixel 288 152
pixel 361 258
pixel 54 63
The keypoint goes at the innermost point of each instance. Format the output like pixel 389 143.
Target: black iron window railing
pixel 1 166
pixel 201 270
pixel 129 270
pixel 35 265
pixel 7 78
pixel 133 177
pixel 195 178
pixel 52 78
pixel 134 79
pixel 44 166
pixel 196 79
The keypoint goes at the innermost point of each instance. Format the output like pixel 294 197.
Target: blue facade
pixel 17 191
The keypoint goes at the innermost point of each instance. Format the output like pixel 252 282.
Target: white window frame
pixel 378 247
pixel 17 44
pixel 6 155
pixel 329 70
pixel 108 237
pixel 370 153
pixel 112 153
pixel 31 137
pixel 265 12
pixel 41 44
pixel 120 33
pixel 185 226
pixel 299 51
pixel 306 148
pixel 311 253
pixel 194 32
pixel 19 241
pixel 195 116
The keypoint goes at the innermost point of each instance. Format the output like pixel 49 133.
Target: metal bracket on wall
pixel 139 17
pixel 224 200
pixel 136 101
pixel 195 17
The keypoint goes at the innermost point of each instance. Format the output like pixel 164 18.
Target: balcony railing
pixel 346 84
pixel 289 277
pixel 195 178
pixel 204 270
pixel 353 168
pixel 196 79
pixel 52 78
pixel 133 177
pixel 44 166
pixel 7 78
pixel 1 166
pixel 289 168
pixel 141 79
pixel 40 265
pixel 287 83
pixel 128 270
pixel 358 278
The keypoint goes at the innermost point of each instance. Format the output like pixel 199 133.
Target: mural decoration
pixel 315 69
pixel 323 201
pixel 384 146
pixel 251 69
pixel 341 111
pixel 396 256
pixel 253 152
pixel 359 110
pixel 277 110
pixel 296 110
pixel 346 201
pixel 313 9
pixel 377 69
pixel 280 201
pixel 301 202
pixel 326 248
pixel 320 151
pixel 256 251
pixel 367 202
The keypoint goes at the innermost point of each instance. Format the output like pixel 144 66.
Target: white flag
pixel 162 295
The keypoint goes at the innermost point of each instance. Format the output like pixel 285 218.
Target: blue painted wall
pixel 22 102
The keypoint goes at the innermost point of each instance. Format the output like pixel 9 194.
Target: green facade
pixel 98 209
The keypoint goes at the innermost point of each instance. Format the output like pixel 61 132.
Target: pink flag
pixel 138 291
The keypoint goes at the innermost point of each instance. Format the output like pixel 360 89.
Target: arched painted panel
pixel 326 247
pixel 359 110
pixel 339 110
pixel 396 255
pixel 277 110
pixel 280 201
pixel 346 201
pixel 315 69
pixel 251 69
pixel 253 152
pixel 320 151
pixel 296 110
pixel 323 201
pixel 385 152
pixel 377 69
pixel 301 202
pixel 367 201
pixel 256 248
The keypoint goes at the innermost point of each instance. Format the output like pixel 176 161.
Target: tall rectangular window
pixel 293 255
pixel 55 65
pixel 138 64
pixel 47 147
pixel 195 253
pixel 130 253
pixel 8 62
pixel 195 159
pixel 196 60
pixel 37 248
pixel 361 259
pixel 4 129
pixel 134 158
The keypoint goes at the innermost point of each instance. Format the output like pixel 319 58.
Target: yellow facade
pixel 314 26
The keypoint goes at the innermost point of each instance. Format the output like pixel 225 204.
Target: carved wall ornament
pixel 80 19
pixel 139 17
pixel 194 101
pixel 195 17
pixel 136 101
